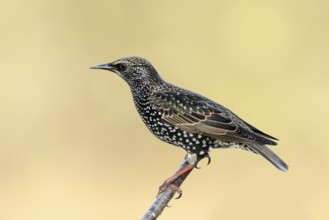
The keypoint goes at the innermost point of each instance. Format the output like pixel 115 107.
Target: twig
pixel 165 196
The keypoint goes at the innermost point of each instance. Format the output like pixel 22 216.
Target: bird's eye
pixel 121 67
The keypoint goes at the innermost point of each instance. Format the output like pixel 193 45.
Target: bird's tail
pixel 270 156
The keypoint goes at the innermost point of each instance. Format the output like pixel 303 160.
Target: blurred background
pixel 72 145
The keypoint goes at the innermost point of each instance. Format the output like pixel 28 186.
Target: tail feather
pixel 270 156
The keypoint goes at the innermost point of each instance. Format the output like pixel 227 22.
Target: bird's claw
pixel 168 183
pixel 178 190
pixel 209 160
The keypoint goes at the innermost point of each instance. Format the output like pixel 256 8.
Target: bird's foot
pixel 192 160
pixel 209 161
pixel 168 183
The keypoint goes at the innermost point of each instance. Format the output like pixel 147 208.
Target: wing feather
pixel 197 114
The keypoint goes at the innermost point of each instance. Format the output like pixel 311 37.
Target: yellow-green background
pixel 72 146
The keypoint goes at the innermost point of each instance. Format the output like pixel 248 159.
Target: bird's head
pixel 136 71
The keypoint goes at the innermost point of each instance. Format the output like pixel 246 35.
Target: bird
pixel 186 119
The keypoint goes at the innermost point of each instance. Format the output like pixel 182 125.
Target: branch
pixel 165 196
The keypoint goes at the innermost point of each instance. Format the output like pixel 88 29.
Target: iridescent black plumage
pixel 186 119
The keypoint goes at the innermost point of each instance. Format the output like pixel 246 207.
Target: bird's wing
pixel 197 114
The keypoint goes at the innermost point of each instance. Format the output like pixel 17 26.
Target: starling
pixel 186 119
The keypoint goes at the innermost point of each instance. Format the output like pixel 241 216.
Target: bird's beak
pixel 103 67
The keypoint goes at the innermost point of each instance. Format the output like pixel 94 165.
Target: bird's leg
pixel 192 160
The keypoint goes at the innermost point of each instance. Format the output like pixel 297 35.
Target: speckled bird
pixel 186 119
